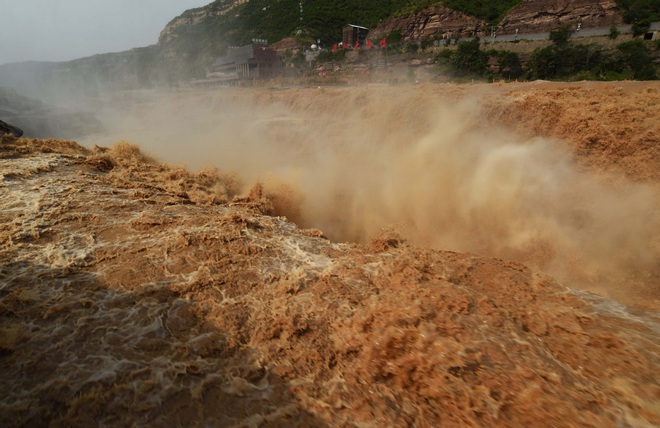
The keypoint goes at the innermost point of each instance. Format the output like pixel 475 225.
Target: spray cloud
pixel 353 162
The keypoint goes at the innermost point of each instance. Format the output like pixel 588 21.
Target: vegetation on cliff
pixel 188 49
pixel 469 60
pixel 562 60
pixel 567 60
pixel 640 13
pixel 492 11
pixel 192 41
pixel 318 20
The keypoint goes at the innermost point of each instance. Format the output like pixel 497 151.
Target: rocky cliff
pixel 434 22
pixel 189 44
pixel 196 16
pixel 536 16
pixel 531 16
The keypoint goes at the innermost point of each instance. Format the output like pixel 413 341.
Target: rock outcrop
pixel 6 128
pixel 434 22
pixel 190 43
pixel 534 16
pixel 196 16
pixel 531 16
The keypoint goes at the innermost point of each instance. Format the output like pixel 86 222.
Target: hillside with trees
pixel 640 13
pixel 192 41
pixel 218 28
pixel 323 20
pixel 563 59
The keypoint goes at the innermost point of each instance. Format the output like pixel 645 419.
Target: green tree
pixel 469 58
pixel 394 37
pixel 564 61
pixel 509 64
pixel 640 10
pixel 637 58
pixel 560 36
pixel 614 32
pixel 640 27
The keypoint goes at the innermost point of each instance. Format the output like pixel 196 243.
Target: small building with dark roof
pixel 253 61
pixel 354 33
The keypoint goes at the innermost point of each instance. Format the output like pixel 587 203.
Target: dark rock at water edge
pixel 6 128
pixel 37 119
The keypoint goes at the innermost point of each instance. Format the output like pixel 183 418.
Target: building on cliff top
pixel 249 62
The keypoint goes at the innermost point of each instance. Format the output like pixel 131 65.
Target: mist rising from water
pixel 352 163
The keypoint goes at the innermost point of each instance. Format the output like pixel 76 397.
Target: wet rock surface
pixel 6 128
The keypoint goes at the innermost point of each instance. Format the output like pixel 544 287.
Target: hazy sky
pixel 59 30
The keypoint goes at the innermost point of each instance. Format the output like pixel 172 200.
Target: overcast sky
pixel 60 30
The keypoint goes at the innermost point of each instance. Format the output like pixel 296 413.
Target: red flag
pixel 357 46
pixel 369 44
pixel 335 48
pixel 383 43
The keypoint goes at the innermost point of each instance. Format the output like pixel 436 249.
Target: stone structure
pixel 253 61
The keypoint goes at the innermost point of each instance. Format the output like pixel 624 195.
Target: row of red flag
pixel 368 45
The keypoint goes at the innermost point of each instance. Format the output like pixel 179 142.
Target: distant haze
pixel 48 30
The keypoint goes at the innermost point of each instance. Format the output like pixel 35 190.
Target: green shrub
pixel 469 58
pixel 614 32
pixel 560 36
pixel 509 64
pixel 640 10
pixel 394 37
pixel 637 58
pixel 411 47
pixel 563 61
pixel 640 27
